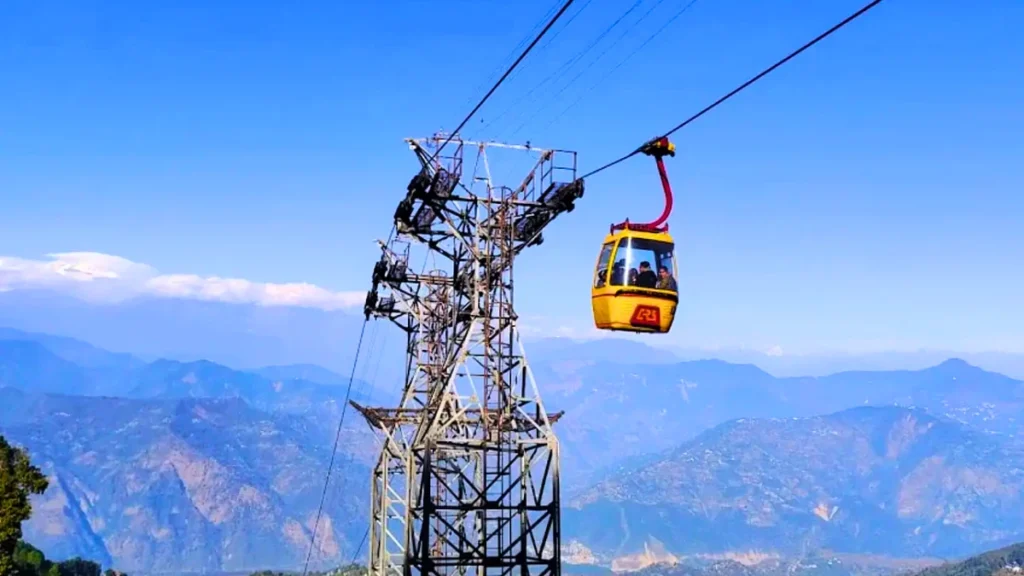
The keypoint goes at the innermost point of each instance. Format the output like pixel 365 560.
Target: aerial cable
pixel 512 53
pixel 554 36
pixel 567 23
pixel 360 391
pixel 565 65
pixel 372 351
pixel 592 62
pixel 550 23
pixel 365 388
pixel 334 451
pixel 366 533
pixel 360 547
pixel 740 88
pixel 624 60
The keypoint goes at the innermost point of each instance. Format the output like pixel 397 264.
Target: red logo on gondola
pixel 648 316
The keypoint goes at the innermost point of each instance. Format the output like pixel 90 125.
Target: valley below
pixel 669 467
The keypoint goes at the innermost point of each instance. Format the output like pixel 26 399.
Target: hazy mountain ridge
pixel 249 336
pixel 616 411
pixel 31 365
pixel 240 335
pixel 76 351
pixel 1004 561
pixel 189 485
pixel 888 481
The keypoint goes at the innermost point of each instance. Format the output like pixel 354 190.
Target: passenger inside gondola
pixel 665 279
pixel 632 266
pixel 646 278
pixel 636 263
pixel 618 271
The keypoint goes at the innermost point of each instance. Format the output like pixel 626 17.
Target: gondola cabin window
pixel 644 263
pixel 601 274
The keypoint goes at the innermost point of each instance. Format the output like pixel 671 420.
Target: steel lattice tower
pixel 467 481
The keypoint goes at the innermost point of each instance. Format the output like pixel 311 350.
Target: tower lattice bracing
pixel 467 481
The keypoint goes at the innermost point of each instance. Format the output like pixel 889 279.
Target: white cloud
pixel 107 278
pixel 533 326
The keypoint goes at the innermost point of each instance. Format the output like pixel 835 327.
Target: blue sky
pixel 865 196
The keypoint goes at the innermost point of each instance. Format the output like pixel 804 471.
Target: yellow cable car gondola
pixel 634 287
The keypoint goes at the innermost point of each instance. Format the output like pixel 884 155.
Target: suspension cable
pixel 362 390
pixel 741 87
pixel 502 79
pixel 334 451
pixel 512 53
pixel 360 547
pixel 591 64
pixel 623 61
pixel 366 533
pixel 565 65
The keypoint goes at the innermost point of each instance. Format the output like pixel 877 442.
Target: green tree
pixel 30 560
pixel 79 567
pixel 18 480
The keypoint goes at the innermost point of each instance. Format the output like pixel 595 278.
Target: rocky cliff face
pixel 888 481
pixel 183 485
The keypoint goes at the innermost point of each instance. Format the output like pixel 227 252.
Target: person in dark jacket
pixel 618 271
pixel 646 278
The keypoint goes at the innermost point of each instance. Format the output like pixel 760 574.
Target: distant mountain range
pixel 247 336
pixel 875 481
pixel 140 451
pixel 241 335
pixel 43 363
pixel 616 411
